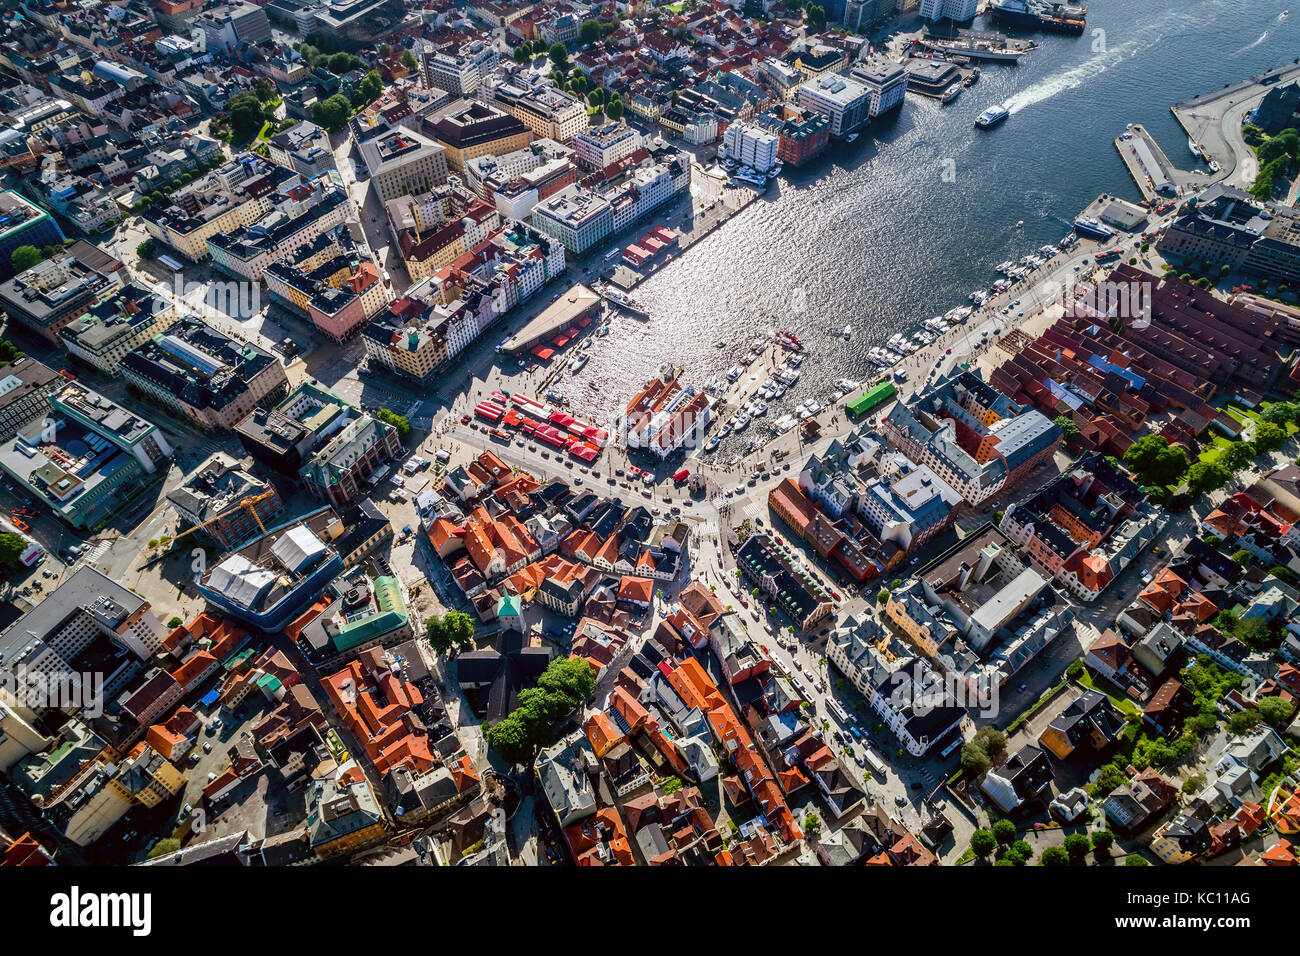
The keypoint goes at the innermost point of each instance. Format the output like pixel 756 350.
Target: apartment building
pixel 801 133
pixel 885 82
pixel 959 10
pixel 304 213
pixel 599 146
pixel 115 325
pixel 846 103
pixel 459 72
pixel 84 456
pixel 1230 227
pixel 25 389
pixel 234 195
pixel 549 112
pixel 226 502
pixel 54 292
pixel 402 162
pixel 471 129
pixel 204 374
pixel 972 436
pixel 751 145
pixel 304 148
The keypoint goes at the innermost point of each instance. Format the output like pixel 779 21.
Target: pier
pixel 1157 178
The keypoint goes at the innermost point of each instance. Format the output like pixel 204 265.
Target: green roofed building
pixel 362 613
pixel 870 398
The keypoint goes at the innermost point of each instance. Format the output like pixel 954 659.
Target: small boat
pixel 740 422
pixel 1005 267
pixel 579 361
pixel 712 443
pixel 1020 224
pixel 848 332
pixel 593 386
pixel 788 340
pixel 950 94
pixel 724 431
pixel 972 78
pixel 852 137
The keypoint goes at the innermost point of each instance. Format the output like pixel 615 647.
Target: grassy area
pixel 1093 683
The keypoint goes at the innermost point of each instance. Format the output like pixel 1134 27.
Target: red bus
pixel 681 476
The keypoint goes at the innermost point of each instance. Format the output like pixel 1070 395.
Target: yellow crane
pixel 250 503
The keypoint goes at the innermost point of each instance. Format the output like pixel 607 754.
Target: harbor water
pixel 904 223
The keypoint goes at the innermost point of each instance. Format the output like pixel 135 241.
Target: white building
pixel 600 146
pixel 751 146
pixel 961 10
pixel 845 103
pixel 886 83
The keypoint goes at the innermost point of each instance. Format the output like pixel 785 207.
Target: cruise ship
pixel 992 116
pixel 1040 15
pixel 1087 226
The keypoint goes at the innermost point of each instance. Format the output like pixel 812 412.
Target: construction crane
pixel 250 503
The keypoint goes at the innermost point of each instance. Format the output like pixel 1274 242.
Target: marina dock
pixel 1156 177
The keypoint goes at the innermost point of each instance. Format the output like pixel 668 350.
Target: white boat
pixel 1020 224
pixel 578 362
pixel 603 331
pixel 848 332
pixel 724 431
pixel 734 373
pixel 760 408
pixel 979 297
pixel 852 137
pixel 740 422
pixel 810 409
pixel 1004 267
pixel 712 443
pixel 848 384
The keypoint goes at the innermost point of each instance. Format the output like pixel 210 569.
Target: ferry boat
pixel 978 48
pixel 750 177
pixel 1090 227
pixel 624 301
pixel 992 116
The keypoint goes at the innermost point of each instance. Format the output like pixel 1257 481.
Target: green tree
pixel 974 759
pixel 589 32
pixel 1004 831
pixel 408 61
pixel 1280 413
pixel 175 622
pixel 1207 476
pixel 332 113
pixel 522 53
pixel 1102 840
pixel 982 843
pixel 1056 856
pixel 1155 461
pixel 453 629
pixel 1077 846
pixel 1244 721
pixel 1237 456
pixel 1242 558
pixel 264 89
pixel 559 56
pixel 1269 437
pixel 614 110
pixel 596 97
pixel 146 250
pixel 992 741
pixel 816 16
pixel 510 738
pixel 1136 860
pixel 398 422
pixel 12 547
pixel 1069 430
pixel 24 257
pixel 1276 711
pixel 571 678
pixel 246 117
pixel 1019 853
pixel 368 90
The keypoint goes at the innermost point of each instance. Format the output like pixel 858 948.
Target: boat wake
pixel 1249 46
pixel 1078 75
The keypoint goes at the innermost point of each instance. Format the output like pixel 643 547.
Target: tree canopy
pixel 453 629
